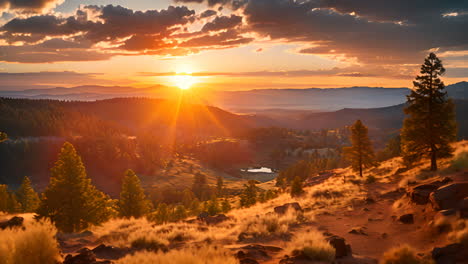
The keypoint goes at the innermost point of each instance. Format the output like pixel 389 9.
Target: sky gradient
pixel 229 44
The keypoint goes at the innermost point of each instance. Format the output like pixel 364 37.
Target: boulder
pixel 109 252
pixel 358 231
pixel 449 196
pixel 453 253
pixel 202 215
pixel 341 248
pixel 406 219
pixel 288 206
pixel 420 193
pixel 213 220
pixel 15 221
pixel 252 253
pixel 85 256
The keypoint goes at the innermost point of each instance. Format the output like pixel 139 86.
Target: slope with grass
pixel 365 212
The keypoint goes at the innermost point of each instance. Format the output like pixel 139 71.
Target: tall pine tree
pixel 361 153
pixel 430 126
pixel 133 202
pixel 70 200
pixel 27 197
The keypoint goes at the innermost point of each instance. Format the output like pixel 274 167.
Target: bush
pixel 402 255
pixel 313 245
pixel 143 243
pixel 460 162
pixel 370 179
pixel 34 244
pixel 200 255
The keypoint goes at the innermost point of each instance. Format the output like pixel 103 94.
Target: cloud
pixel 208 13
pixel 368 39
pixel 222 23
pixel 28 6
pixel 14 81
pixel 351 71
pixel 100 32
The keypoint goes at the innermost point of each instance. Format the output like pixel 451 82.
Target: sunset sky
pixel 229 44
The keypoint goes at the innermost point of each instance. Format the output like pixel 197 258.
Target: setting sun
pixel 183 82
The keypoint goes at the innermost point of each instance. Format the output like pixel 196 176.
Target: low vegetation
pixel 313 245
pixel 35 243
pixel 192 255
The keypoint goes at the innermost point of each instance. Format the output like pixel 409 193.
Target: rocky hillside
pixel 391 213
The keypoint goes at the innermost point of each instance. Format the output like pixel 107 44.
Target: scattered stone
pixel 248 261
pixel 449 196
pixel 251 253
pixel 369 200
pixel 109 252
pixel 203 215
pixel 365 209
pixel 15 221
pixel 374 219
pixel 214 220
pixel 358 231
pixel 420 193
pixel 85 256
pixel 406 219
pixel 384 235
pixel 341 248
pixel 453 253
pixel 285 207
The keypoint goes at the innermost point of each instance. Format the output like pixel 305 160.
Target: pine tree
pixel 200 186
pixel 219 186
pixel 249 195
pixel 212 206
pixel 225 206
pixel 133 202
pixel 27 197
pixel 8 202
pixel 430 126
pixel 4 198
pixel 296 187
pixel 70 200
pixel 361 153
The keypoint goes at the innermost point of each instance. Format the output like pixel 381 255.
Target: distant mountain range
pixel 251 101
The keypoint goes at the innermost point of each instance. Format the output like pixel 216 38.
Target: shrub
pixel 313 245
pixel 370 179
pixel 460 162
pixel 202 255
pixel 402 255
pixel 149 244
pixel 460 232
pixel 34 244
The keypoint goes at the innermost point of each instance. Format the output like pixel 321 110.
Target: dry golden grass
pixel 403 255
pixel 314 246
pixel 36 244
pixel 192 255
pixel 459 233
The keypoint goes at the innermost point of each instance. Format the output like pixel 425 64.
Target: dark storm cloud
pixel 355 36
pixel 27 6
pixel 223 22
pixel 397 10
pixel 208 13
